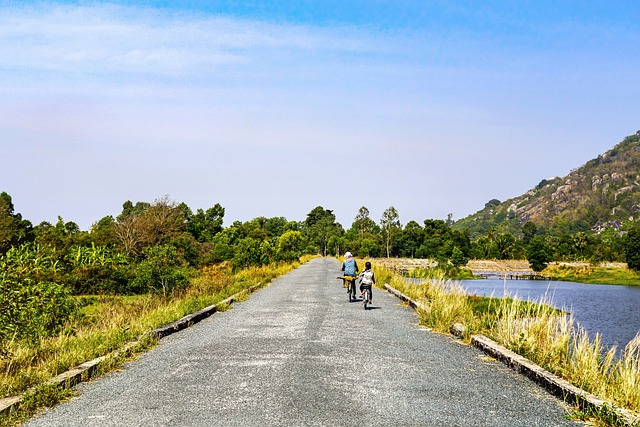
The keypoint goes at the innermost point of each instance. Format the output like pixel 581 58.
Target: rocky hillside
pixel 603 194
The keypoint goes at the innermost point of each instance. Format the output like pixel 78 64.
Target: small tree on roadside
pixel 290 246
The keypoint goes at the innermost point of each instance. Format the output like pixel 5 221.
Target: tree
pixel 290 246
pixel 162 271
pixel 319 226
pixel 369 247
pixel 363 224
pixel 539 253
pixel 204 225
pixel 504 245
pixel 391 227
pixel 529 230
pixel 581 241
pixel 247 253
pixel 412 238
pixel 144 225
pixel 102 232
pixel 458 258
pixel 632 249
pixel 13 229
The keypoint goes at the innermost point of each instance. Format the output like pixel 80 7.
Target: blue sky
pixel 272 108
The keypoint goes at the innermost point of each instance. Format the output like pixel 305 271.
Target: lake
pixel 613 311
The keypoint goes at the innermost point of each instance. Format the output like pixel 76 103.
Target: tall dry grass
pixel 111 321
pixel 536 330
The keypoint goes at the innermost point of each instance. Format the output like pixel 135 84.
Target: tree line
pixel 158 247
pixel 153 246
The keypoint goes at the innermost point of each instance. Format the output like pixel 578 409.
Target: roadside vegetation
pixel 533 329
pixel 69 295
pixel 104 323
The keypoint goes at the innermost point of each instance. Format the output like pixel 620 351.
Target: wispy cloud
pixel 119 39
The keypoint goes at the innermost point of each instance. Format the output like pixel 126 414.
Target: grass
pixel 106 323
pixel 592 274
pixel 535 330
pixel 453 273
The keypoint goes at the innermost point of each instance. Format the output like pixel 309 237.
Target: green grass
pixel 593 275
pixel 452 273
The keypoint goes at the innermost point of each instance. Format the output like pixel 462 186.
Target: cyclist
pixel 350 268
pixel 367 279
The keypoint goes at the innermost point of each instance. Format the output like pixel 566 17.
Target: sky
pixel 271 108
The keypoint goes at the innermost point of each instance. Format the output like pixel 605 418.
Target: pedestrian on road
pixel 367 279
pixel 350 268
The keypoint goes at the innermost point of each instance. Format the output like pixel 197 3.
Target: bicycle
pixel 366 296
pixel 349 282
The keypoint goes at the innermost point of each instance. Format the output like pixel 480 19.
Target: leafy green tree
pixel 13 229
pixel 412 238
pixel 458 258
pixel 461 240
pixel 632 249
pixel 319 226
pixel 276 226
pixel 224 244
pixel 581 242
pixel 61 236
pixel 204 225
pixel 529 230
pixel 391 228
pixel 481 248
pixel 369 248
pixel 267 251
pixel 336 244
pixel 247 253
pixel 363 224
pixel 539 253
pixel 504 245
pixel 290 246
pixel 102 232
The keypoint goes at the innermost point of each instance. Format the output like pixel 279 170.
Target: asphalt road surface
pixel 297 353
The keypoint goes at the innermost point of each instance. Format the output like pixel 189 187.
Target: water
pixel 612 311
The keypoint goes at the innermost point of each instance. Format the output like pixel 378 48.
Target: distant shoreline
pixel 606 273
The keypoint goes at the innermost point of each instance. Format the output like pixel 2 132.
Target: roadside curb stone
pixel 550 382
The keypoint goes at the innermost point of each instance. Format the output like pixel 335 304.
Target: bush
pixel 161 271
pixel 32 309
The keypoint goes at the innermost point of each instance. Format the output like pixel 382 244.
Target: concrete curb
pixel 85 370
pixel 550 382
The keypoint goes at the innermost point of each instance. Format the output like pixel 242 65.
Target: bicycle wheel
pixel 365 300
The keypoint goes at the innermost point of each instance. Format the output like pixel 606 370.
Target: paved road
pixel 295 354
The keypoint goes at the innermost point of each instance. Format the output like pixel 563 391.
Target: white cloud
pixel 118 39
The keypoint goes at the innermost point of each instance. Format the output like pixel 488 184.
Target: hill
pixel 603 194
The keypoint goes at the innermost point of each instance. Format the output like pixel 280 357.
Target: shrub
pixel 32 309
pixel 161 271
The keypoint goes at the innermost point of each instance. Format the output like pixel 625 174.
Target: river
pixel 613 311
